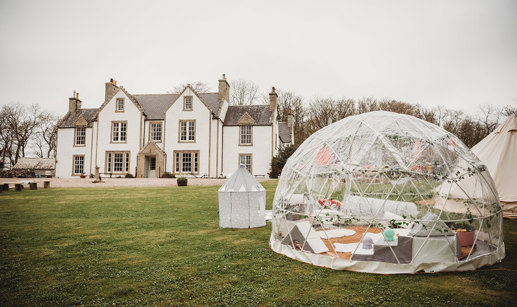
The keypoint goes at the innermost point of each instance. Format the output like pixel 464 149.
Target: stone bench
pixel 18 186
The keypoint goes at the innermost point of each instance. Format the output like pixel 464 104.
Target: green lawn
pixel 162 246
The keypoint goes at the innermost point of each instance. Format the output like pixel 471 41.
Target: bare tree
pixel 400 107
pixel 21 121
pixel 44 139
pixel 510 110
pixel 489 117
pixel 452 120
pixel 289 102
pixel 325 111
pixel 243 92
pixel 198 86
pixel 6 136
pixel 367 104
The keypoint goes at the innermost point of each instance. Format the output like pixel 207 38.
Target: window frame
pixel 178 163
pixel 119 122
pixel 151 131
pixel 250 134
pixel 126 162
pixel 251 161
pixel 76 135
pixel 74 173
pixel 188 130
pixel 185 103
pixel 117 109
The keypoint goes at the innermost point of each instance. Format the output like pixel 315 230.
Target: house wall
pixel 66 150
pixel 260 150
pixel 132 116
pixel 201 115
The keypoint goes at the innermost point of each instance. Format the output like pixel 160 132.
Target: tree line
pixel 320 112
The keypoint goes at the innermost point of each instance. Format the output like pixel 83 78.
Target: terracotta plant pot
pixel 466 237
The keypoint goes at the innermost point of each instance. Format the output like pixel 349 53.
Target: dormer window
pixel 187 103
pixel 80 136
pixel 120 105
pixel 245 135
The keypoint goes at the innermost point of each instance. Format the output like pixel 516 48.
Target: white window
pixel 187 131
pixel 156 132
pixel 245 159
pixel 120 104
pixel 80 136
pixel 117 162
pixel 78 165
pixel 187 103
pixel 118 131
pixel 186 162
pixel 245 135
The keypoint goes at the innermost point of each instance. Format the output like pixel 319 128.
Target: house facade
pixel 188 133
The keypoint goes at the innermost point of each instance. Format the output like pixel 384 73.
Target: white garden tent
pixel 242 201
pixel 370 193
pixel 499 153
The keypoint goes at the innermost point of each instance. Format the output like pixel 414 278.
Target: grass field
pixel 162 246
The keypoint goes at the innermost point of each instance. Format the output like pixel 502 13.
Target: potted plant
pixel 182 181
pixel 83 176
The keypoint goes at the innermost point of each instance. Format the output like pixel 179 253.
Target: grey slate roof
pixel 155 105
pixel 212 100
pixel 241 181
pixel 35 163
pixel 70 118
pixel 284 132
pixel 259 112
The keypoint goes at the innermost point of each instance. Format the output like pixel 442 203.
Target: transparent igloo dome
pixel 387 193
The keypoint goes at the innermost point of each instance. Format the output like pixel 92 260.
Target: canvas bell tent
pixel 370 193
pixel 499 153
pixel 242 201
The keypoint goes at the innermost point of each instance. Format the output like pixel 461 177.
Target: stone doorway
pixel 150 161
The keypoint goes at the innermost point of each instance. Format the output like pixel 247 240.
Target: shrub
pixel 278 162
pixel 20 173
pixel 168 175
pixel 128 175
pixel 182 181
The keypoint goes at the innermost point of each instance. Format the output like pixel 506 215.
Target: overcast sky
pixel 460 54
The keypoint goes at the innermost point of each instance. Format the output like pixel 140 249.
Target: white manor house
pixel 189 133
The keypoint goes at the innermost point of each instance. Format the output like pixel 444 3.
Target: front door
pixel 152 167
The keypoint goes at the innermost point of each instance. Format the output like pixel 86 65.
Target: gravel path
pixel 118 182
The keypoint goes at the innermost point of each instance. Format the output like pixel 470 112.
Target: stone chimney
pixel 224 89
pixel 74 103
pixel 273 100
pixel 111 89
pixel 290 119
